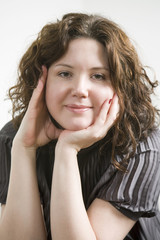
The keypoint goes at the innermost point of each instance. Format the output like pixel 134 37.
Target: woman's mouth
pixel 77 108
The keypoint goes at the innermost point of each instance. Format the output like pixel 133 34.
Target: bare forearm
pixel 69 219
pixel 22 218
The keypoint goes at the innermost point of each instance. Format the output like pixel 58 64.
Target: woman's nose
pixel 80 88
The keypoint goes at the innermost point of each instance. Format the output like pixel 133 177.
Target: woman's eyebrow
pixel 63 65
pixel 93 68
pixel 100 68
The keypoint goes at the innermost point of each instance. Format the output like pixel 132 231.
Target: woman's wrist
pixel 65 149
pixel 18 149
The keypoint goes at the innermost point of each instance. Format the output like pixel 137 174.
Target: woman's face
pixel 78 84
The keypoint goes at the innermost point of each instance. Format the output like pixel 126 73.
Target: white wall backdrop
pixel 21 20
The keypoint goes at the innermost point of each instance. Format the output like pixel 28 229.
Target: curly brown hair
pixel 129 79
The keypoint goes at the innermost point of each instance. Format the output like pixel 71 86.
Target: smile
pixel 77 108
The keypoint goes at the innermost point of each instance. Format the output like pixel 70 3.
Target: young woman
pixel 81 158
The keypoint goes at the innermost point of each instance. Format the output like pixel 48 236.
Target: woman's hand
pixel 36 128
pixel 98 130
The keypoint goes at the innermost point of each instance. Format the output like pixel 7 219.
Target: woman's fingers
pixel 36 127
pixel 105 119
pixel 38 93
pixel 108 113
pixel 103 123
pixel 44 74
pixel 113 111
pixel 101 119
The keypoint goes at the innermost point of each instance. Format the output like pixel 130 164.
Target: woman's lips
pixel 77 108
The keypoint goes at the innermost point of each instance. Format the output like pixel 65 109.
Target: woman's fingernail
pixel 110 100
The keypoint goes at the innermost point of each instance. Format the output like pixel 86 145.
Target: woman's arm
pixel 69 218
pixel 68 215
pixel 108 223
pixel 22 217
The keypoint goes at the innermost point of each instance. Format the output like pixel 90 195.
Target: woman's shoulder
pixel 8 131
pixel 150 143
pixel 7 134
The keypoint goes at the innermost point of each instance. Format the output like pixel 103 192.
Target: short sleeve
pixel 136 192
pixel 7 134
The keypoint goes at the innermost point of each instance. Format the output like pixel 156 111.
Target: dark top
pixel 135 193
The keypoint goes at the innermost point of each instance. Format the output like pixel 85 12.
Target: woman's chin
pixel 75 127
pixel 71 126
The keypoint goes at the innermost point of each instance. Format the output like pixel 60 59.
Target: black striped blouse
pixel 135 193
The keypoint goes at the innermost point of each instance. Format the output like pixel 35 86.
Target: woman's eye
pixel 64 74
pixel 99 76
